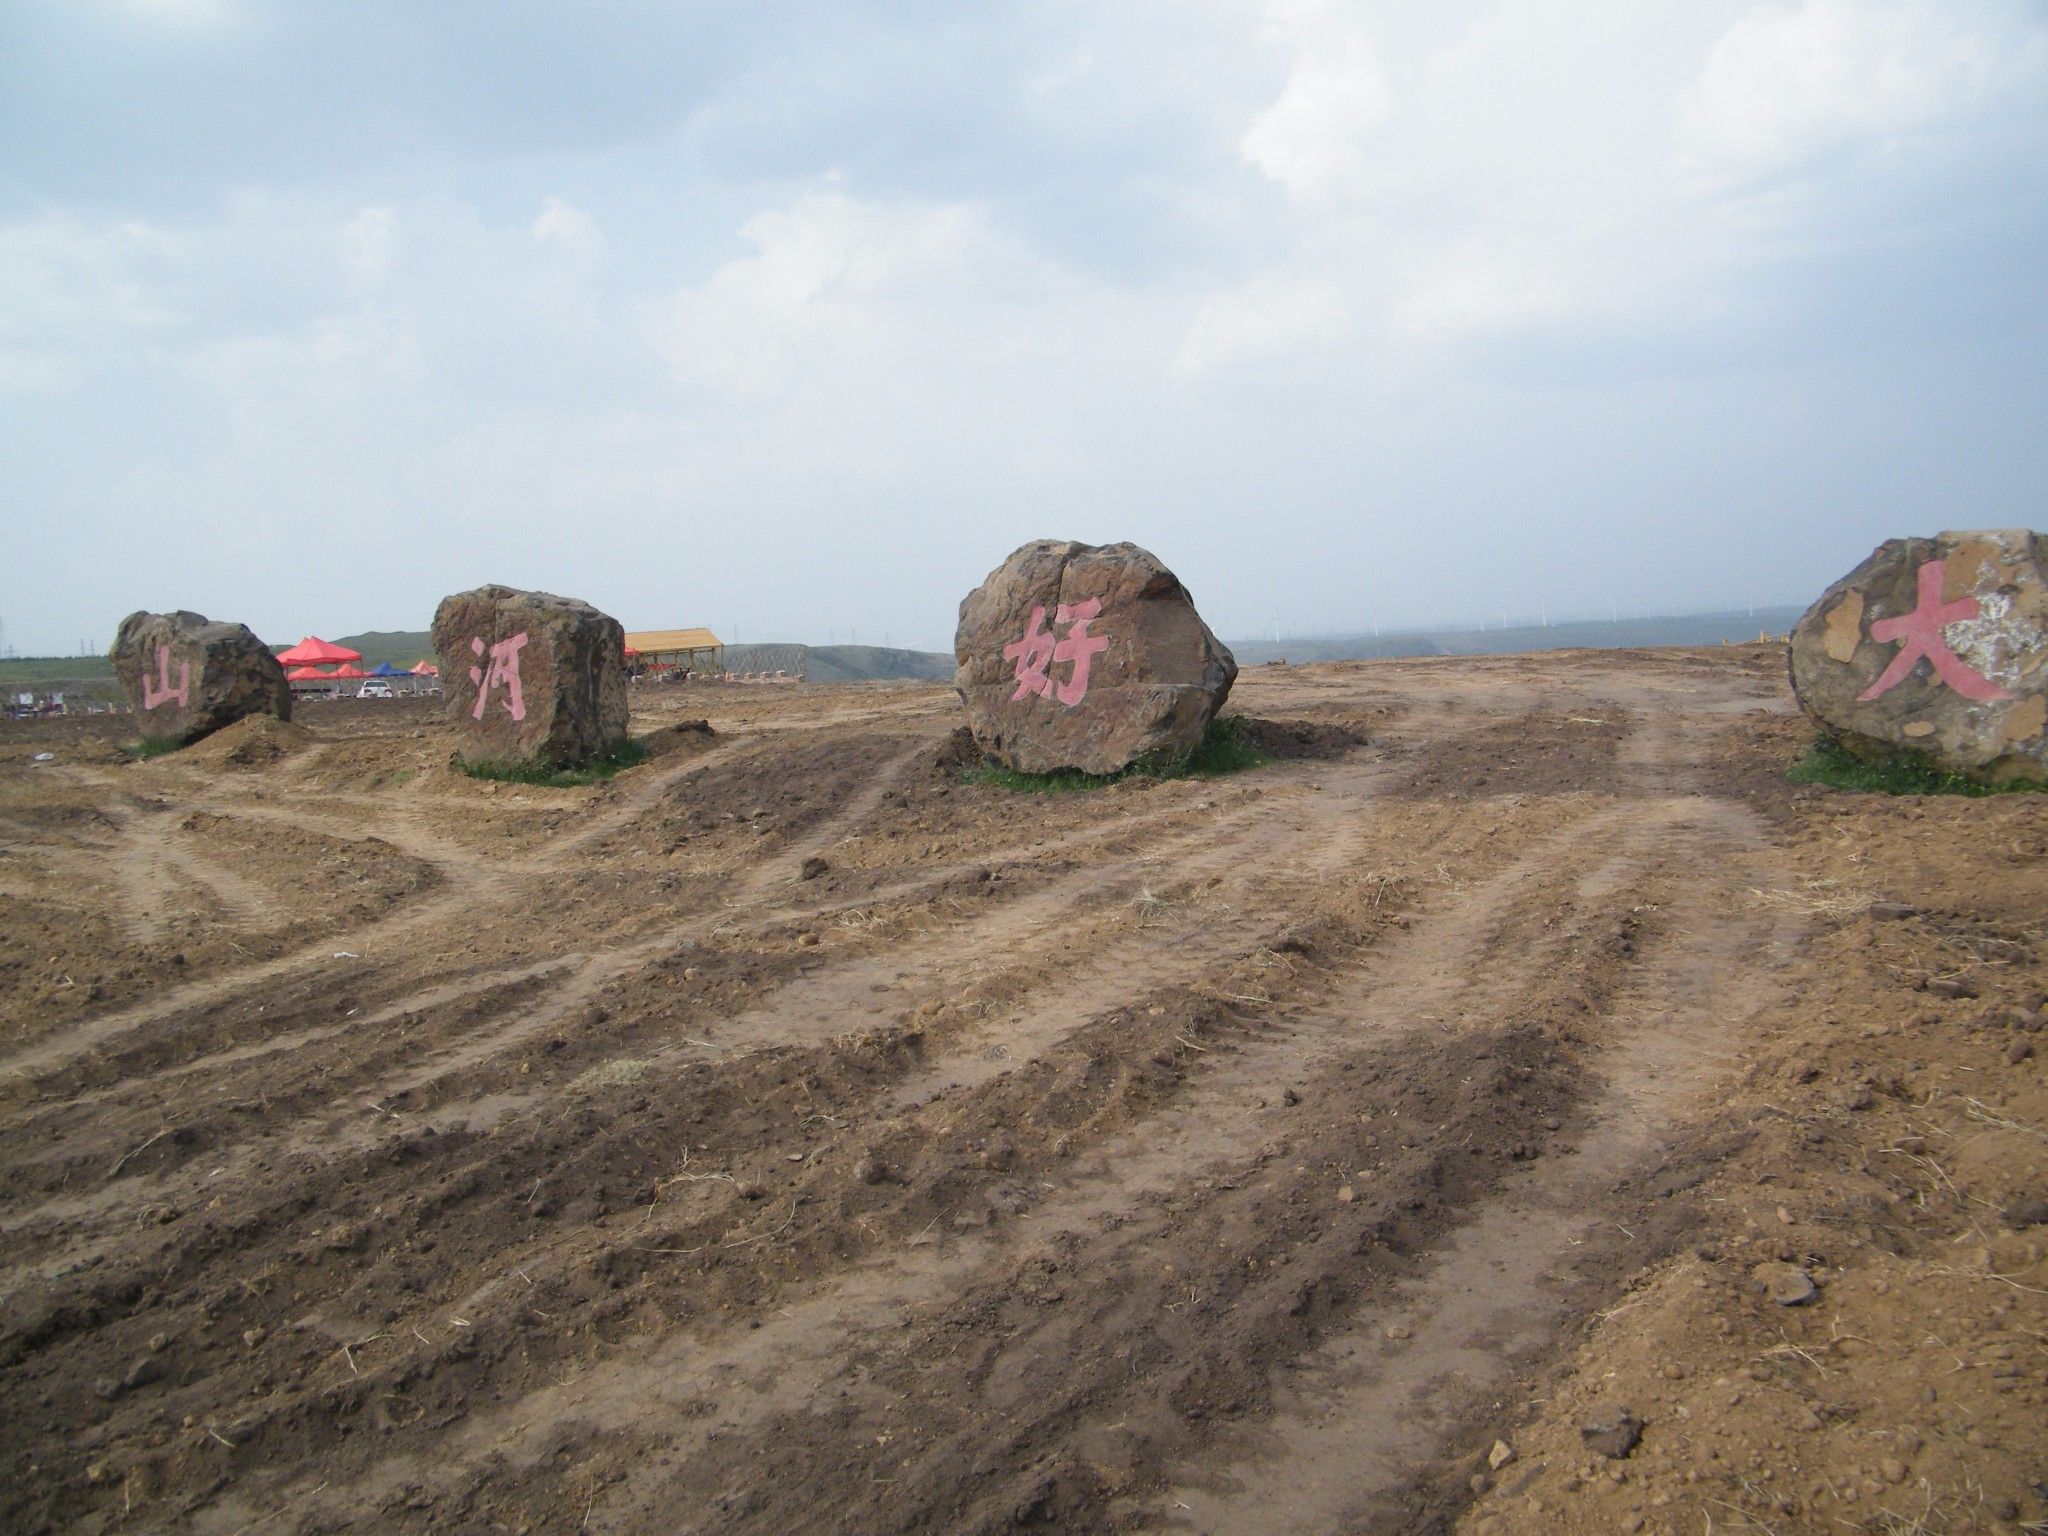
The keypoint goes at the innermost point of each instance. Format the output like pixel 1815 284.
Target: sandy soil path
pixel 382 1150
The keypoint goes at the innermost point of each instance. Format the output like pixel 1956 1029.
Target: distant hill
pixel 1733 627
pixel 864 663
pixel 819 663
pixel 1256 653
pixel 400 647
pixel 35 671
pixel 1592 634
pixel 841 663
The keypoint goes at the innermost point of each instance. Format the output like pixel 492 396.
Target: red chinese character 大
pixel 504 671
pixel 1038 650
pixel 1921 631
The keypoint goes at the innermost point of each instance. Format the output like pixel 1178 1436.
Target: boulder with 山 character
pixel 187 676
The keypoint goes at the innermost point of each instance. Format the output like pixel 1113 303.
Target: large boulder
pixel 532 679
pixel 1087 657
pixel 1938 647
pixel 186 675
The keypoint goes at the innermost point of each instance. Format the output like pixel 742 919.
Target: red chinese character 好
pixel 1038 650
pixel 1032 654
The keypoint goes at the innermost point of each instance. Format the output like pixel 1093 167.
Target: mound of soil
pixel 1320 739
pixel 960 751
pixel 254 741
pixel 684 736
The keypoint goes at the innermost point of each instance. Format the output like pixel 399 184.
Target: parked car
pixel 375 691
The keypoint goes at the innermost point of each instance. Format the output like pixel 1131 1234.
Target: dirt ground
pixel 1340 1146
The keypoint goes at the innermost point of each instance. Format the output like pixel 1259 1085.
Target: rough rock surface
pixel 1937 646
pixel 1786 1284
pixel 1086 657
pixel 186 675
pixel 531 678
pixel 1612 1430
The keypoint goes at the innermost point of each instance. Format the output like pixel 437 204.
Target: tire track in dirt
pixel 464 877
pixel 1066 914
pixel 787 868
pixel 612 965
pixel 1203 830
pixel 535 1268
pixel 1221 1140
pixel 540 1018
pixel 43 1238
pixel 1376 1400
pixel 135 866
pixel 860 993
pixel 841 1002
pixel 1431 979
pixel 578 978
pixel 1145 1163
pixel 238 897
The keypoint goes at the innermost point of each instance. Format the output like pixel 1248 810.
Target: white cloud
pixel 1070 71
pixel 1317 138
pixel 1787 83
pixel 1102 269
pixel 1524 167
pixel 367 244
pixel 1275 314
pixel 184 13
pixel 832 281
pixel 565 225
pixel 73 293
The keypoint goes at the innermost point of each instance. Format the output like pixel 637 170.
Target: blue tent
pixel 385 669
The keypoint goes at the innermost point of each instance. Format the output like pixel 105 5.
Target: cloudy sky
pixel 794 319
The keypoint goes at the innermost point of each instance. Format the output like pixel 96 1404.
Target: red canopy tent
pixel 351 673
pixel 315 652
pixel 305 675
pixel 426 669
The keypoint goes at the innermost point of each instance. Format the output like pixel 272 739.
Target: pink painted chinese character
pixel 1033 654
pixel 1039 650
pixel 1079 647
pixel 1921 631
pixel 182 694
pixel 504 670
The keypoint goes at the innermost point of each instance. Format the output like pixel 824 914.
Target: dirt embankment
pixel 790 1135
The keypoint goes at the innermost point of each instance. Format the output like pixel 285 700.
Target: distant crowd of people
pixel 41 706
pixel 682 675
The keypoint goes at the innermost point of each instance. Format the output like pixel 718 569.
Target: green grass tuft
pixel 153 746
pixel 621 757
pixel 1903 773
pixel 1225 748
